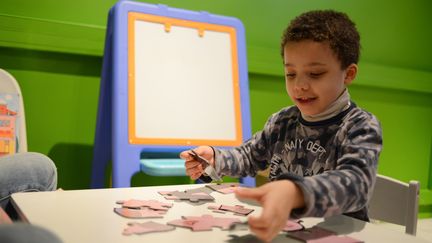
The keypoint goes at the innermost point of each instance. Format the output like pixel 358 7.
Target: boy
pixel 323 151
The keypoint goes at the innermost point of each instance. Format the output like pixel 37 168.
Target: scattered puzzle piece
pixel 309 234
pixel 147 227
pixel 293 225
pixel 224 188
pixel 239 226
pixel 203 189
pixel 186 195
pixel 152 204
pixel 139 213
pixel 204 222
pixel 237 209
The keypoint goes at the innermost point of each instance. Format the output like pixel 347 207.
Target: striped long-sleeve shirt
pixel 334 162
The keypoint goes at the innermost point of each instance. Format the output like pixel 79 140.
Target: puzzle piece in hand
pixel 152 204
pixel 309 234
pixel 204 222
pixel 139 213
pixel 186 195
pixel 293 225
pixel 147 227
pixel 237 209
pixel 224 188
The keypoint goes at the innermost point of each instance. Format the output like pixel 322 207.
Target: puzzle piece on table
pixel 309 234
pixel 293 225
pixel 335 239
pixel 237 209
pixel 290 226
pixel 224 188
pixel 202 189
pixel 139 213
pixel 147 227
pixel 152 204
pixel 195 197
pixel 204 222
pixel 239 226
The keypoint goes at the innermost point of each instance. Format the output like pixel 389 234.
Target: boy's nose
pixel 301 84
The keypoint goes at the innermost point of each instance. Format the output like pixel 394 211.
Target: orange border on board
pixel 201 27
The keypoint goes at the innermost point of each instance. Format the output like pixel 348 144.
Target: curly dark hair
pixel 330 26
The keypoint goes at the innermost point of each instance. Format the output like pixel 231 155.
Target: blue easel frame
pixel 111 138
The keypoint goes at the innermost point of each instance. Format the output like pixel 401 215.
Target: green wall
pixel 54 49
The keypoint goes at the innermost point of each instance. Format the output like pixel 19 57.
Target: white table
pixel 87 216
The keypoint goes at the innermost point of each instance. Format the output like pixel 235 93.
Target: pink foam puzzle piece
pixel 311 234
pixel 237 209
pixel 215 209
pixel 292 225
pixel 147 227
pixel 204 222
pixel 224 188
pixel 153 204
pixel 194 225
pixel 186 195
pixel 139 213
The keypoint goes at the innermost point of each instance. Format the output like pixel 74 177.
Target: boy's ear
pixel 350 73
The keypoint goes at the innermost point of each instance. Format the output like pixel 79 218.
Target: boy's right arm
pixel 252 156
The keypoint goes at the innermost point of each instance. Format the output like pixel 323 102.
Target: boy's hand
pixel 277 198
pixel 194 169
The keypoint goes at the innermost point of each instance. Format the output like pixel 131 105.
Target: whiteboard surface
pixel 184 87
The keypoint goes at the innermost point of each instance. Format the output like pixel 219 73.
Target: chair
pixel 13 137
pixel 395 202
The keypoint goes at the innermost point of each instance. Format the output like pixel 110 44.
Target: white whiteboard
pixel 184 87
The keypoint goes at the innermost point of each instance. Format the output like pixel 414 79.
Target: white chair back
pixel 13 135
pixel 396 202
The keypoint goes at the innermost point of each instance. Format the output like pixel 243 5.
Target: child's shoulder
pixel 359 116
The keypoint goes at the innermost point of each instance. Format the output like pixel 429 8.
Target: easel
pixel 126 118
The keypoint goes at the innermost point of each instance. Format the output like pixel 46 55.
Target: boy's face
pixel 313 75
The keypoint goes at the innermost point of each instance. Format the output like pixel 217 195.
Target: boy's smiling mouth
pixel 305 100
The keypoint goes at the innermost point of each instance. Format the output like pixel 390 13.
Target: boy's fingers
pixel 185 155
pixel 258 222
pixel 265 219
pixel 264 229
pixel 201 150
pixel 249 193
pixel 259 232
pixel 194 170
pixel 192 164
pixel 196 176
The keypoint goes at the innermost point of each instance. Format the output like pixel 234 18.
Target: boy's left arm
pixel 349 186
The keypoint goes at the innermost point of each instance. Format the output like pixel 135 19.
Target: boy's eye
pixel 316 75
pixel 290 75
